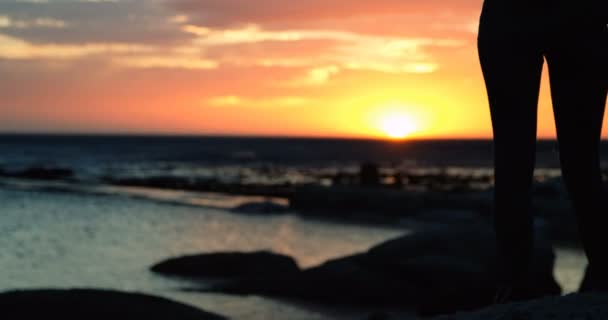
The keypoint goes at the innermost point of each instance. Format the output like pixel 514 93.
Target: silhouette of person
pixel 515 37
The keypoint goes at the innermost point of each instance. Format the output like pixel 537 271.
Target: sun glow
pixel 395 121
pixel 398 126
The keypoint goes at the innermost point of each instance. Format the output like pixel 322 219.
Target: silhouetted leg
pixel 578 68
pixel 512 66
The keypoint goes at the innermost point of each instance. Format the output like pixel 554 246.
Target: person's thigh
pixel 512 65
pixel 578 70
pixel 511 62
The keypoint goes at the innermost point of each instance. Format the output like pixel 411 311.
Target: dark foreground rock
pixel 94 305
pixel 228 265
pixel 41 173
pixel 436 271
pixel 571 307
pixel 344 201
pixel 267 207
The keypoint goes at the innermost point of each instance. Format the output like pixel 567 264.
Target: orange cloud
pixel 238 12
pixel 280 101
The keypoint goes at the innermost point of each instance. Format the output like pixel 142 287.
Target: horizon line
pixel 248 136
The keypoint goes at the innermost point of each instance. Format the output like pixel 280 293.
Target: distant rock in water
pixel 267 207
pixel 369 175
pixel 437 271
pixel 570 307
pixel 228 265
pixel 161 182
pixel 343 201
pixel 346 201
pixel 94 305
pixel 41 173
pixel 202 185
pixel 448 217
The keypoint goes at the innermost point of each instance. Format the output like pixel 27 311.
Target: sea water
pixel 65 240
pixel 83 233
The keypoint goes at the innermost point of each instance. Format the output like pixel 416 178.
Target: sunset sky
pixel 340 68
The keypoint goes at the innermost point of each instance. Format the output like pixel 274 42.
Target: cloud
pixel 128 21
pixel 234 100
pixel 64 1
pixel 388 36
pixel 270 12
pixel 323 52
pixel 126 55
pixel 13 48
pixel 148 62
pixel 321 75
pixel 186 38
pixel 7 22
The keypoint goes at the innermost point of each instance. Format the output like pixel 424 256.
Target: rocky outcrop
pixel 571 307
pixel 266 207
pixel 343 201
pixel 202 185
pixel 41 173
pixel 436 271
pixel 369 174
pixel 228 265
pixel 94 305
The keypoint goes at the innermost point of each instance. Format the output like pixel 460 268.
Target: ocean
pixel 66 223
pixel 242 159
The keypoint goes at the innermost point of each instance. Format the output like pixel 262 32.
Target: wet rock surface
pixel 228 265
pixel 40 173
pixel 570 307
pixel 435 271
pixel 94 305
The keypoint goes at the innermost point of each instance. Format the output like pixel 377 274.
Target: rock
pixel 161 182
pixel 347 201
pixel 379 316
pixel 228 265
pixel 344 281
pixel 448 217
pixel 94 305
pixel 42 173
pixel 267 207
pixel 570 307
pixel 344 201
pixel 437 271
pixel 202 185
pixel 369 175
pixel 454 267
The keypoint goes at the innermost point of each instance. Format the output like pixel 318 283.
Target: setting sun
pixel 397 126
pixel 396 120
